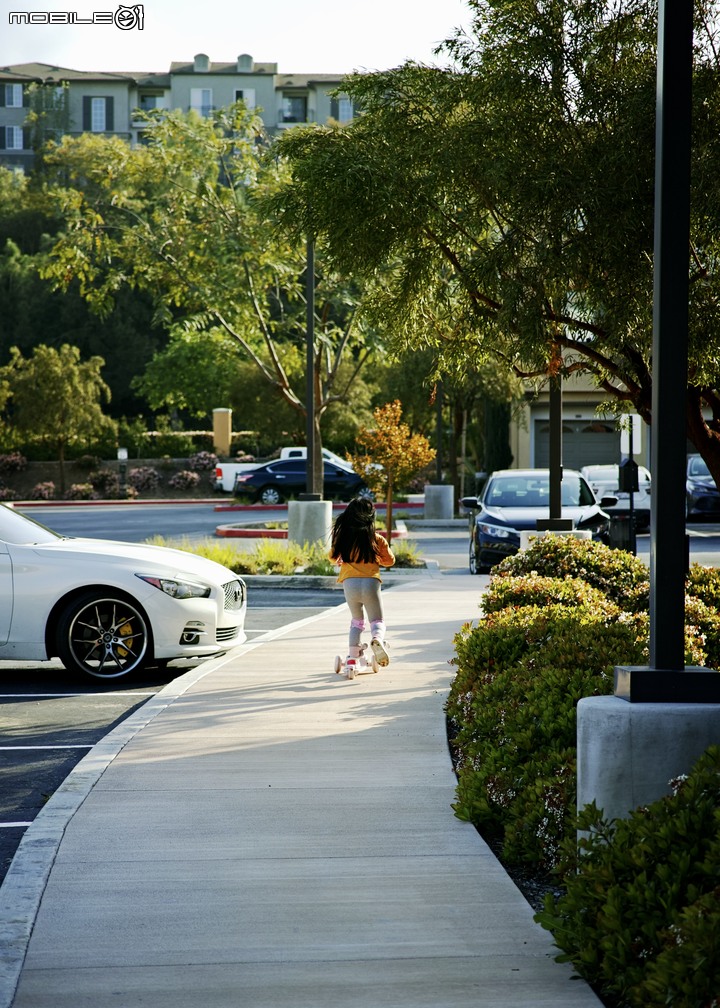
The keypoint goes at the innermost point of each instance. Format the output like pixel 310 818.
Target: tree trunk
pixel 61 460
pixel 389 511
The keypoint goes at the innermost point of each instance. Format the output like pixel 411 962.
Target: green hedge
pixel 521 672
pixel 545 642
pixel 640 918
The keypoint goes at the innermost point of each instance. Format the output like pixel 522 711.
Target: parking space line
pixel 15 825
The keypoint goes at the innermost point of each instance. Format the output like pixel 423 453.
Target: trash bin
pixel 622 533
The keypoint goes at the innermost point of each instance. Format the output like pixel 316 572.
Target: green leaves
pixel 640 914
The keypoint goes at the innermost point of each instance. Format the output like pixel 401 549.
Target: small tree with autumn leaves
pixel 390 455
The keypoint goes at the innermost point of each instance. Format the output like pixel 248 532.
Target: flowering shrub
pixel 538 589
pixel 202 460
pixel 6 494
pixel 80 491
pixel 13 462
pixel 619 575
pixel 143 478
pixel 43 491
pixel 704 583
pixel 185 480
pixel 521 672
pixel 105 482
pixel 545 642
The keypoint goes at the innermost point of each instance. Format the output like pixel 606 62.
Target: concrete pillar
pixel 222 431
pixel 628 752
pixel 439 500
pixel 310 522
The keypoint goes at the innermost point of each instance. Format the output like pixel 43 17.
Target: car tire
pixel 269 495
pixel 103 635
pixel 475 567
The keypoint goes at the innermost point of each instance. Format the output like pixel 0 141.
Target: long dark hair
pixel 353 534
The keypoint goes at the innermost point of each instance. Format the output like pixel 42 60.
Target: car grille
pixel 225 634
pixel 234 594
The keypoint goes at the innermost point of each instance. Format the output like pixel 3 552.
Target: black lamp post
pixel 666 679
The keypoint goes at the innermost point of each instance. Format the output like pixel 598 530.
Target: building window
pixel 341 109
pixel 294 108
pixel 97 114
pixel 201 100
pixel 148 102
pixel 14 138
pixel 13 95
pixel 247 95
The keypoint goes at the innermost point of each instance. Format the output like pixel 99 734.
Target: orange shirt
pixel 385 558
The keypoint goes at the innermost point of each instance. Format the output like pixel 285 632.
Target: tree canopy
pixel 507 201
pixel 54 397
pixel 179 217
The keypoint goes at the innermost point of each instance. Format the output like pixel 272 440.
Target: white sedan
pixel 106 609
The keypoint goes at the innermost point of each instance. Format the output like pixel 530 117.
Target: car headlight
pixel 498 531
pixel 176 589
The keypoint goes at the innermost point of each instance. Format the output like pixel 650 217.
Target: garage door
pixel 585 442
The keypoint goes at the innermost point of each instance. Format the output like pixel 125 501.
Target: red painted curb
pixel 229 532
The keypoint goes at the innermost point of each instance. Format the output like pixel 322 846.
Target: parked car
pixel 513 500
pixel 701 494
pixel 276 481
pixel 604 481
pixel 107 609
pixel 226 472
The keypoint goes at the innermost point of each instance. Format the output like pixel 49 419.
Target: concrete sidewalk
pixel 265 833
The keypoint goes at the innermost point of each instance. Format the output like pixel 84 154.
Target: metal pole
pixel 555 447
pixel 670 334
pixel 438 431
pixel 310 481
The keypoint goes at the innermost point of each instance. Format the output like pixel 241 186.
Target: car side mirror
pixel 609 501
pixel 470 502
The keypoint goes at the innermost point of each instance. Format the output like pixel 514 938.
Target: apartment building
pixel 66 101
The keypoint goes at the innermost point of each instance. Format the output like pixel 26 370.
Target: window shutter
pixel 2 137
pixel 334 108
pixel 2 96
pixel 109 115
pixel 87 113
pixel 26 98
pixel 27 139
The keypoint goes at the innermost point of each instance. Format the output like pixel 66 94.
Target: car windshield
pixel 534 491
pixel 697 466
pixel 16 528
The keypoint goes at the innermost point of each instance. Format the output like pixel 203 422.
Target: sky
pixel 301 36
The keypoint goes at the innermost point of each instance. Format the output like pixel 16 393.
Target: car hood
pixel 524 519
pixel 174 562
